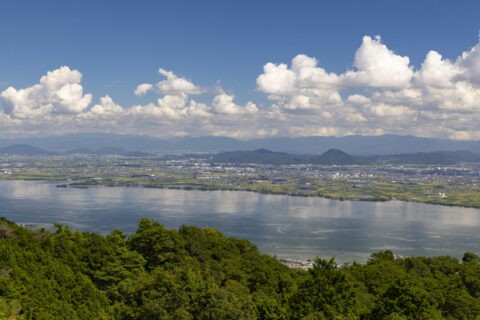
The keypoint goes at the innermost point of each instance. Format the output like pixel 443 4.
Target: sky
pixel 243 69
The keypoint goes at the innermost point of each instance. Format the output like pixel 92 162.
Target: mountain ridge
pixel 339 157
pixel 26 150
pixel 354 144
pixel 332 156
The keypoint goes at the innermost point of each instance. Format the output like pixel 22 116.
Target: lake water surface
pixel 289 227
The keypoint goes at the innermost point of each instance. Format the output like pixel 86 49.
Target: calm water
pixel 289 227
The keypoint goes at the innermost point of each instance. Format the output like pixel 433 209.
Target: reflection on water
pixel 293 227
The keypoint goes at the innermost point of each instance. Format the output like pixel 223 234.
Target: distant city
pixel 437 177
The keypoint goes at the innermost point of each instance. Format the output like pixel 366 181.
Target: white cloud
pixel 173 106
pixel 174 102
pixel 176 85
pixel 436 72
pixel 59 91
pixel 143 89
pixel 304 86
pixel 276 80
pixel 390 95
pixel 382 93
pixel 199 110
pixel 223 103
pixel 358 99
pixel 309 76
pixel 378 66
pixel 470 62
pixel 106 107
pixel 384 110
pixel 450 85
pixel 144 111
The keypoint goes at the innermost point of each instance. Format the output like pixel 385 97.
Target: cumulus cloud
pixel 378 66
pixel 469 61
pixel 106 107
pixel 223 103
pixel 176 85
pixel 442 73
pixel 304 86
pixel 143 89
pixel 198 110
pixel 175 102
pixel 58 91
pixel 177 105
pixel 391 96
pixel 450 85
pixel 276 80
pixel 436 72
pixel 381 93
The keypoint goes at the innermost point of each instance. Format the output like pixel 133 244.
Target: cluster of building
pixel 198 170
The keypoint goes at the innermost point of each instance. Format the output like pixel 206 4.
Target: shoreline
pixel 214 188
pixel 111 182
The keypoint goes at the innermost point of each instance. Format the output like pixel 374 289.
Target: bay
pixel 288 227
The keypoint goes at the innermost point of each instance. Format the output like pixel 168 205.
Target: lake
pixel 288 227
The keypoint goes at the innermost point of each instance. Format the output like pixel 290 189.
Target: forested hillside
pixel 198 273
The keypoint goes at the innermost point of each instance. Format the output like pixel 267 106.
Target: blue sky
pixel 222 47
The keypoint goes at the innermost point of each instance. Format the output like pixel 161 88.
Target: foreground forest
pixel 198 273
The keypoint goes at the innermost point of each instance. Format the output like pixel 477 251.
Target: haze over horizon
pixel 241 70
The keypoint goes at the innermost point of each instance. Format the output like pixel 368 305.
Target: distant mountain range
pixel 357 145
pixel 25 150
pixel 28 150
pixel 108 151
pixel 338 157
pixel 263 156
pixel 437 157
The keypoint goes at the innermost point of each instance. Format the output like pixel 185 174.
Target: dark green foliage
pixel 198 273
pixel 157 244
pixel 43 285
pixel 325 291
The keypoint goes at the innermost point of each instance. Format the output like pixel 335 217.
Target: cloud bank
pixel 381 93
